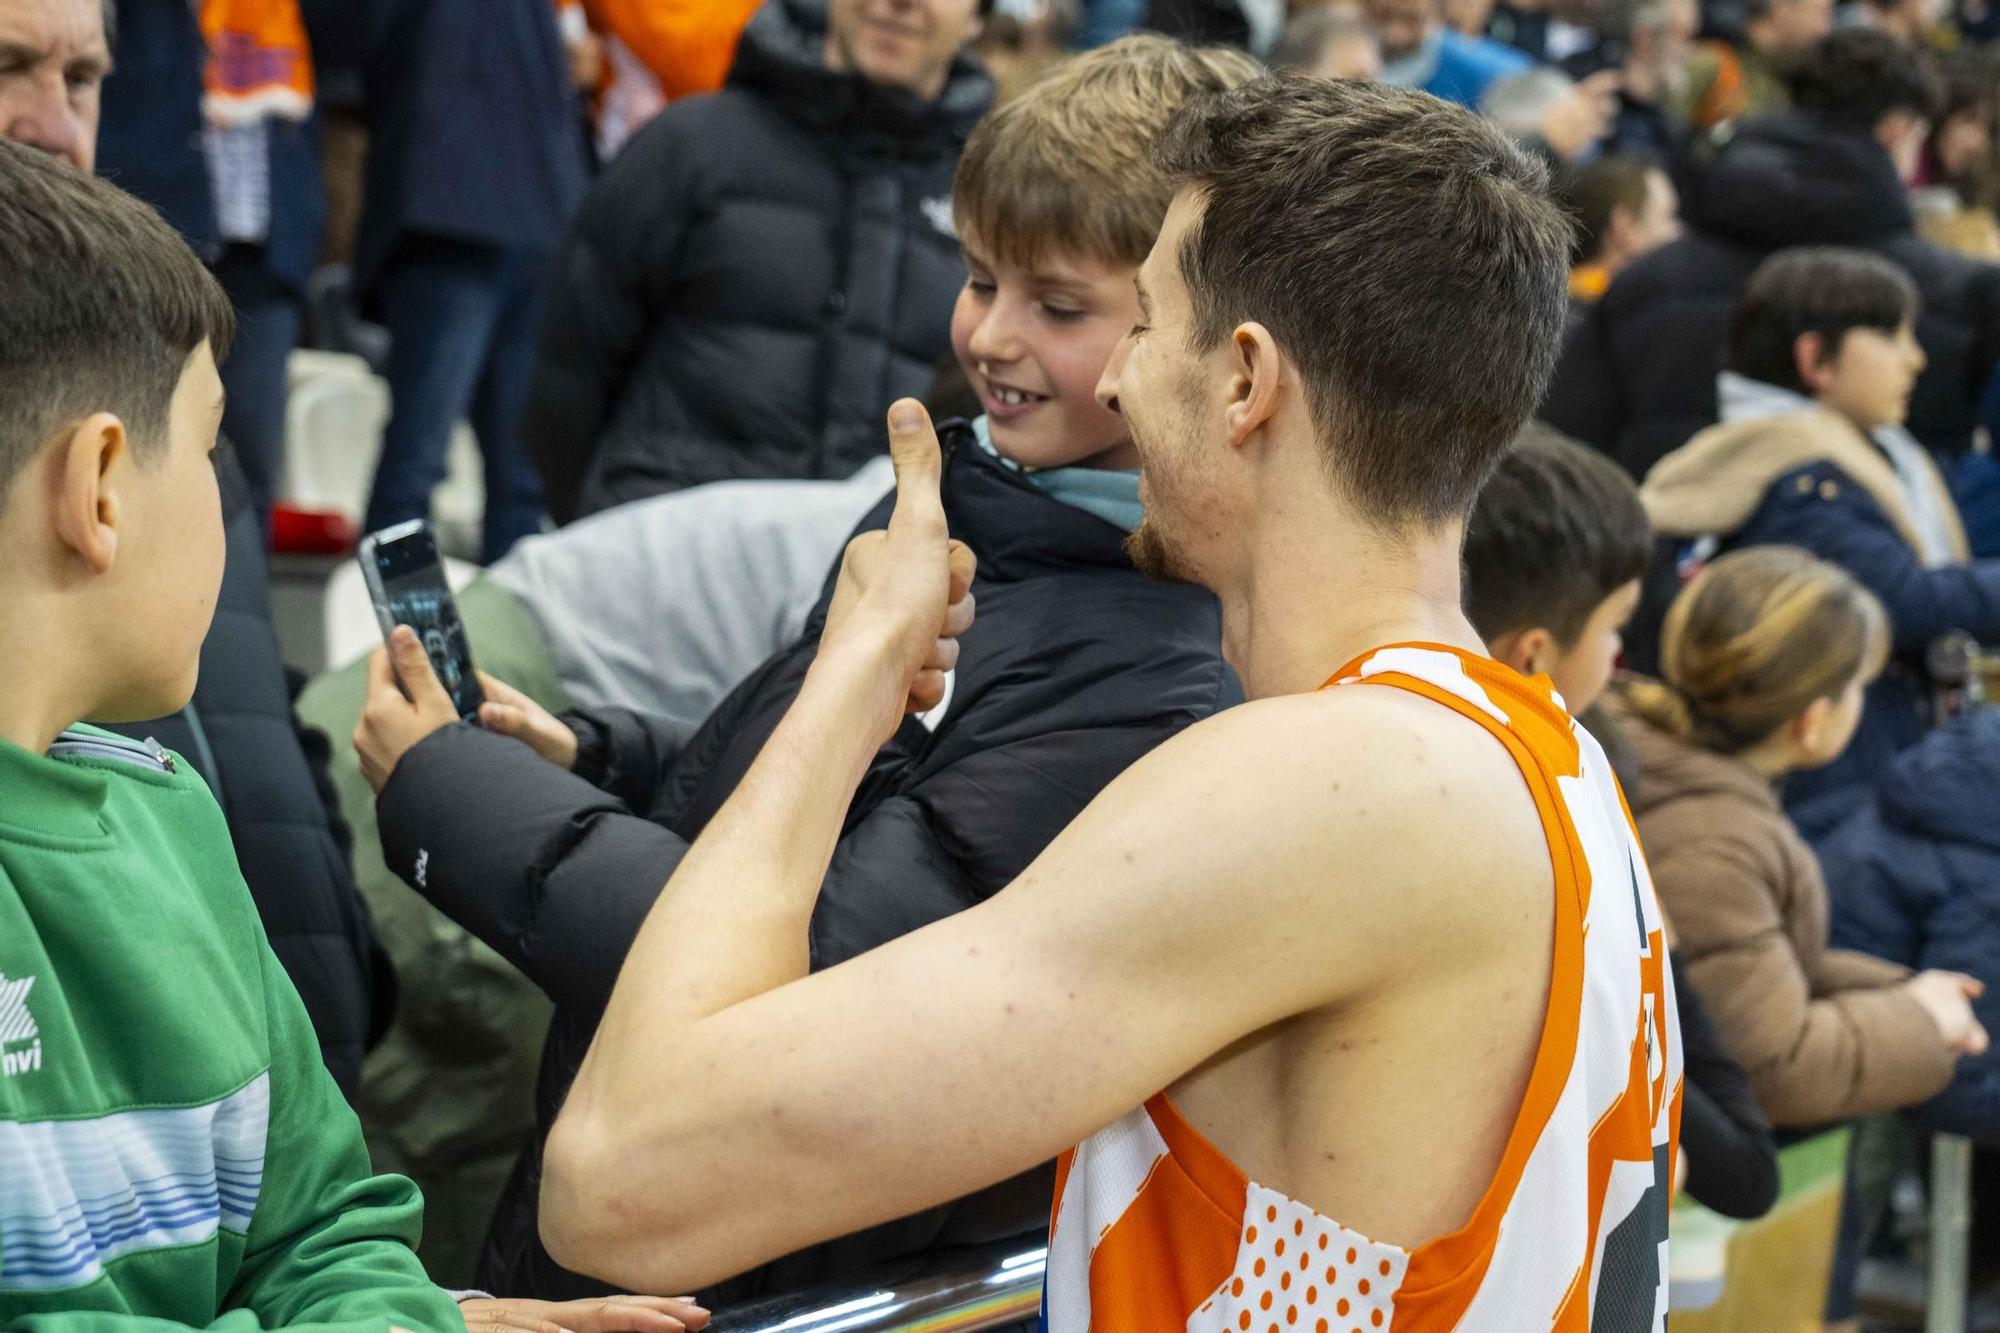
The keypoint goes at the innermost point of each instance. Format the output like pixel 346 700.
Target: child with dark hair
pixel 173 1151
pixel 1553 554
pixel 1812 452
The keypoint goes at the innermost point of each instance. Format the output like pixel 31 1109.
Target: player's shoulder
pixel 1357 762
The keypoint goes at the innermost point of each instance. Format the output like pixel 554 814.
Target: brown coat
pixel 1825 1034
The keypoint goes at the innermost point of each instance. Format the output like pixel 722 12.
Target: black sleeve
pixel 1731 1156
pixel 554 874
pixel 614 277
pixel 624 752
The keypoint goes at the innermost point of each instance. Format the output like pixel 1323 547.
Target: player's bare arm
pixel 734 1108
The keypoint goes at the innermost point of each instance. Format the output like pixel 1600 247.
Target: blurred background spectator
pixel 1419 51
pixel 476 161
pixel 1624 207
pixel 765 269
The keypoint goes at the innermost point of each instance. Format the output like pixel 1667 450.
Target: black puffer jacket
pixel 1637 375
pixel 753 281
pixel 269 776
pixel 1076 667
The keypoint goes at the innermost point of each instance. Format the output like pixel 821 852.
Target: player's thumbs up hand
pixel 905 593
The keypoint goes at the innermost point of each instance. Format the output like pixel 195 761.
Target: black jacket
pixel 1637 375
pixel 269 776
pixel 1076 667
pixel 759 274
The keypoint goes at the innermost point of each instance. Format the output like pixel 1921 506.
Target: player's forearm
pixel 732 922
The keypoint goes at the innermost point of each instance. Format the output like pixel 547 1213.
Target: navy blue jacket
pixel 474 130
pixel 149 142
pixel 1819 508
pixel 1637 374
pixel 1914 877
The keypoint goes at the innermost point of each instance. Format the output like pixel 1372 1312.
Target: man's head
pixel 1861 81
pixel 1623 207
pixel 1785 29
pixel 1329 42
pixel 1834 324
pixel 1354 303
pixel 110 524
pixel 1402 26
pixel 54 55
pixel 1058 200
pixel 1554 552
pixel 905 44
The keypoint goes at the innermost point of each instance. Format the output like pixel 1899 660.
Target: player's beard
pixel 1152 555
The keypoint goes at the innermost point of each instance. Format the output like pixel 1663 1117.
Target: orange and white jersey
pixel 1155 1229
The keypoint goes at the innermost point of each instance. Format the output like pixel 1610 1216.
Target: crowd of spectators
pixel 671 260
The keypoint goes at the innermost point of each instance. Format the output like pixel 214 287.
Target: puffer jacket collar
pixel 1716 481
pixel 782 56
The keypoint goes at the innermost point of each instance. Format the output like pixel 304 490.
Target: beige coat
pixel 1715 481
pixel 1824 1034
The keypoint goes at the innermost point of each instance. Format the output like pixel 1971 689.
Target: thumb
pixel 919 463
pixel 413 668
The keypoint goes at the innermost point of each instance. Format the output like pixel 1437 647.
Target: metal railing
pixel 1948 1265
pixel 989 1288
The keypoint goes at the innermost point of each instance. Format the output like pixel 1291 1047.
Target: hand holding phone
pixel 406 583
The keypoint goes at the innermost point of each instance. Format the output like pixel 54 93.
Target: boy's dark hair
pixel 1853 77
pixel 101 304
pixel 1826 290
pixel 1404 254
pixel 1557 530
pixel 1594 191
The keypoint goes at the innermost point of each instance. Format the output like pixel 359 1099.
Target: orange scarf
pixel 258 62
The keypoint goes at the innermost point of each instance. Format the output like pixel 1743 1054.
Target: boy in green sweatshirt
pixel 172 1150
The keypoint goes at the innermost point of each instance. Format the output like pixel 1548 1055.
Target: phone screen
pixel 410 583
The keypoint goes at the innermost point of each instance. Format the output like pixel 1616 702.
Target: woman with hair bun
pixel 1765 656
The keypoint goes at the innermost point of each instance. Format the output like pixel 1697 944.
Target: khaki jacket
pixel 1825 1034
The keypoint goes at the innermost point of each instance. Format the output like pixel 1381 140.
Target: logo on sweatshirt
pixel 20 1039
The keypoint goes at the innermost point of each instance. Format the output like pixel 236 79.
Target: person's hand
pixel 609 1314
pixel 1582 116
pixel 392 724
pixel 904 593
pixel 508 712
pixel 1947 997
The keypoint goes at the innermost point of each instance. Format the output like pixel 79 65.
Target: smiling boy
pixel 1078 665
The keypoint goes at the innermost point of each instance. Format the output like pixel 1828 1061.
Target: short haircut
pixel 1068 163
pixel 1403 253
pixel 1827 290
pixel 101 304
pixel 1853 77
pixel 1591 193
pixel 1557 530
pixel 1311 31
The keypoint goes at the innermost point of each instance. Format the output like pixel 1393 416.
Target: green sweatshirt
pixel 172 1151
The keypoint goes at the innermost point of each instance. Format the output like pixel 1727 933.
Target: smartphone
pixel 406 582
